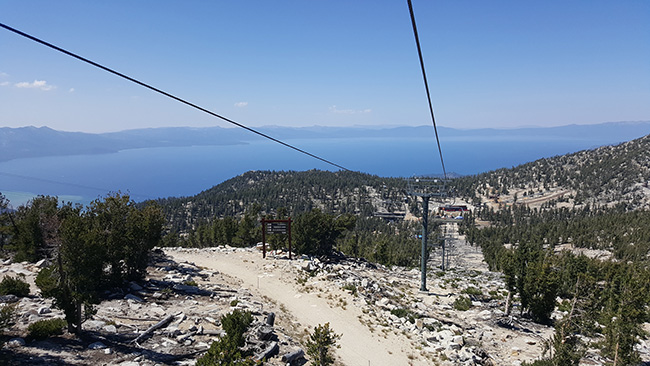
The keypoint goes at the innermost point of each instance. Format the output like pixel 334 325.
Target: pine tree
pixel 320 343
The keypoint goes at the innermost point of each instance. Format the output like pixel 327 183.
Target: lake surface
pixel 183 171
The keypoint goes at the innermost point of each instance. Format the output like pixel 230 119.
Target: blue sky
pixel 497 64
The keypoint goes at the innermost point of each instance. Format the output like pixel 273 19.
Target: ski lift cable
pixel 426 86
pixel 107 69
pixel 73 185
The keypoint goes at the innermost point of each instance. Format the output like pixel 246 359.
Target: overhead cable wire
pixel 107 69
pixel 426 86
pixel 68 184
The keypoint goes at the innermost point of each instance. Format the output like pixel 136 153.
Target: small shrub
pixel 14 286
pixel 190 283
pixel 319 344
pixel 473 291
pixel 302 280
pixel 495 295
pixel 433 327
pixel 463 303
pixel 46 280
pixel 305 276
pixel 399 312
pixel 565 305
pixel 404 313
pixel 350 287
pixel 225 351
pixel 43 329
pixel 234 303
pixel 235 325
pixel 7 313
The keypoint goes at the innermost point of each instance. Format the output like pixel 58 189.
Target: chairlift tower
pixel 426 188
pixel 447 243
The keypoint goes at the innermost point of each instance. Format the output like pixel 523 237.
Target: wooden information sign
pixel 275 227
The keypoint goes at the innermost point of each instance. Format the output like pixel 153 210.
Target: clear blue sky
pixel 494 64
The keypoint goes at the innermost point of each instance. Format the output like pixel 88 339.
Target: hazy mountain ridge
pixel 27 142
pixel 43 141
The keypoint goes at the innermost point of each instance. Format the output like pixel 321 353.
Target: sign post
pixel 275 227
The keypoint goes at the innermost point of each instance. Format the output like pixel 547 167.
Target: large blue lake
pixel 182 171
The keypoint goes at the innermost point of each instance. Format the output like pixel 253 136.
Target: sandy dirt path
pixel 359 346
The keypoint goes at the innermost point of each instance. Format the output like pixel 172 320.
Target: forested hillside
pixel 293 192
pixel 606 175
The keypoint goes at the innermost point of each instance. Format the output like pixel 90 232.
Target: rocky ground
pixel 382 316
pixel 190 315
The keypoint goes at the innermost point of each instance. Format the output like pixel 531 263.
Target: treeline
pixel 623 232
pixel 606 300
pixel 394 243
pixel 314 233
pixel 90 249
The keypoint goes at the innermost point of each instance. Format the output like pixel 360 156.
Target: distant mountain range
pixel 25 142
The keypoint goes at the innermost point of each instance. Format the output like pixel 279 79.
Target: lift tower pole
pixel 425 188
pixel 424 255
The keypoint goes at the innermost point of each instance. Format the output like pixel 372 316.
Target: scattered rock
pixel 15 343
pixel 186 288
pixel 265 332
pixel 8 299
pixel 133 298
pixel 110 329
pixel 268 352
pixel 40 264
pixel 97 345
pixel 93 324
pixel 293 355
pixel 270 319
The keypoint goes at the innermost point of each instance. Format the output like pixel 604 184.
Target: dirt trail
pixel 359 346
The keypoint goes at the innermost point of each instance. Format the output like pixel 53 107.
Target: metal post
pixel 289 237
pixel 425 188
pixel 263 238
pixel 423 260
pixel 444 241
